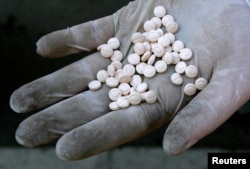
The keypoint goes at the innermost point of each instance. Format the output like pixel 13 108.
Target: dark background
pixel 22 22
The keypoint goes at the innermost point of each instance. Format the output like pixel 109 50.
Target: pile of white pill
pixel 153 51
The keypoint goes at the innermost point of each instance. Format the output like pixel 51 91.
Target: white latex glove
pixel 218 32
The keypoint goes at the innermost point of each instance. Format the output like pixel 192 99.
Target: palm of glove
pixel 216 32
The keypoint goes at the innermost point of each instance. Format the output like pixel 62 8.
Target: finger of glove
pixel 50 123
pixel 82 37
pixel 109 131
pixel 59 85
pixel 207 111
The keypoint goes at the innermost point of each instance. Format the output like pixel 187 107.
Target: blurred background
pixel 22 23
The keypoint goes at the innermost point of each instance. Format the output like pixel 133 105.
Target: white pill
pixel 114 94
pixel 189 89
pixel 186 54
pixel 134 59
pixel 172 27
pixel 136 80
pixel 176 79
pixel 171 37
pixel 117 64
pixel 152 36
pixel 157 22
pixel 168 49
pixel 124 78
pixel 94 85
pixel 166 19
pixel 191 71
pixel 168 58
pixel 123 102
pixel 140 67
pixel 111 70
pixel 117 56
pixel 114 43
pixel 177 46
pixel 180 67
pixel 102 75
pixel 149 96
pixel 135 98
pixel 176 57
pixel 164 41
pixel 149 25
pixel 149 71
pixel 124 88
pixel 141 88
pixel 112 82
pixel 106 51
pixel 151 60
pixel 118 72
pixel 159 11
pixel 129 69
pixel 147 46
pixel 160 31
pixel 201 83
pixel 158 50
pixel 114 106
pixel 139 48
pixel 160 66
pixel 137 37
pixel 146 56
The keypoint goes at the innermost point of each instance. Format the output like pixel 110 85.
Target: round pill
pixel 111 70
pixel 180 67
pixel 146 56
pixel 166 19
pixel 112 82
pixel 117 64
pixel 129 69
pixel 158 50
pixel 114 106
pixel 191 71
pixel 149 25
pixel 149 96
pixel 149 71
pixel 124 88
pixel 140 67
pixel 176 79
pixel 151 60
pixel 159 11
pixel 134 59
pixel 102 75
pixel 136 80
pixel 139 48
pixel 160 31
pixel 94 85
pixel 201 83
pixel 177 46
pixel 106 51
pixel 164 41
pixel 137 37
pixel 114 43
pixel 124 78
pixel 172 27
pixel 147 46
pixel 168 49
pixel 114 94
pixel 160 66
pixel 141 88
pixel 168 58
pixel 122 102
pixel 170 36
pixel 186 54
pixel 135 98
pixel 153 36
pixel 118 72
pixel 189 89
pixel 176 57
pixel 117 56
pixel 157 22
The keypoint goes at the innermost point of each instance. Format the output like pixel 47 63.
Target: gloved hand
pixel 218 33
